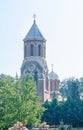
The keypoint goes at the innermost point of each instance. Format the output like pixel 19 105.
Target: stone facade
pixel 35 64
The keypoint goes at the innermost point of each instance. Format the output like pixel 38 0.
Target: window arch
pixel 31 50
pixel 39 50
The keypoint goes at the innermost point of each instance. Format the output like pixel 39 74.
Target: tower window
pixel 31 50
pixel 39 50
pixel 46 84
pixel 36 77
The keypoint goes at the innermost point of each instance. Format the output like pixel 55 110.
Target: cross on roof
pixel 34 16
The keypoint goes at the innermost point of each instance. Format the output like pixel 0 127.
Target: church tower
pixel 34 61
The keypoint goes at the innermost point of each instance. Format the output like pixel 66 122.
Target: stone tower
pixel 34 61
pixel 54 84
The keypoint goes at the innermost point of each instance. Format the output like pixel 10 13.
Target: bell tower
pixel 34 61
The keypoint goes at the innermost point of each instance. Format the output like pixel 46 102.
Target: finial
pixel 52 67
pixel 34 16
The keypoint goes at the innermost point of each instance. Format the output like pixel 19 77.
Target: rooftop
pixel 53 75
pixel 34 33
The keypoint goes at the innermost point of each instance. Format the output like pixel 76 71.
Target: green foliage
pixel 50 115
pixel 18 102
pixel 70 111
pixel 71 87
pixel 73 107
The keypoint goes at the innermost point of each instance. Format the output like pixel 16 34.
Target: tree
pixel 54 106
pixel 7 99
pixel 70 88
pixel 46 115
pixel 30 103
pixel 19 102
pixel 70 111
pixel 50 114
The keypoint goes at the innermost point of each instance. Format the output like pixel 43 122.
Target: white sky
pixel 60 22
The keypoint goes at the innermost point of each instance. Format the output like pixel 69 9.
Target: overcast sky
pixel 60 22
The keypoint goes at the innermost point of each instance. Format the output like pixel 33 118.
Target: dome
pixel 53 75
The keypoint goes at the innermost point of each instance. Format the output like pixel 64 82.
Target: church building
pixel 35 64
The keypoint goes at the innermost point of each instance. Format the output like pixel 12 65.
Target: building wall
pixel 35 44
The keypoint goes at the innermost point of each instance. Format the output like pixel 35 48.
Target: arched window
pixel 31 50
pixel 46 84
pixel 36 77
pixel 39 50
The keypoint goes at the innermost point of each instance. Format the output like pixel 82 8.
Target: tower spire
pixel 34 17
pixel 52 67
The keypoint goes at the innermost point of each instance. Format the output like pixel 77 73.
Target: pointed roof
pixel 34 34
